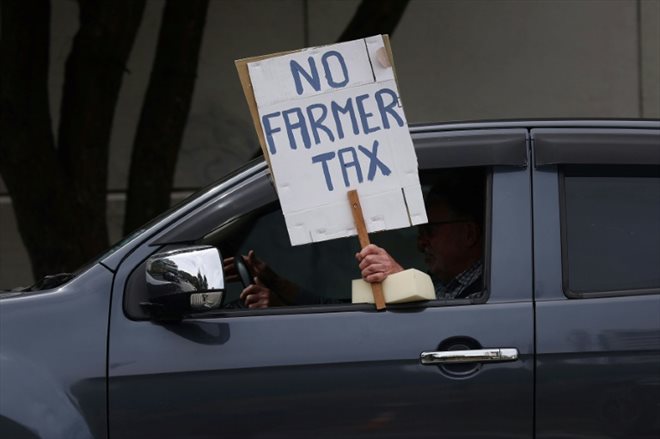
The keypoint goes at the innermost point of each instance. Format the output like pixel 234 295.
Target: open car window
pixel 324 271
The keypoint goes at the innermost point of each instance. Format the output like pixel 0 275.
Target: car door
pixel 337 369
pixel 597 285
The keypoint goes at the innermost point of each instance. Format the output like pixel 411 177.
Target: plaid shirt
pixel 458 284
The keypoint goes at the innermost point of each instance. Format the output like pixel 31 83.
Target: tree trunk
pixel 94 73
pixel 40 196
pixel 165 111
pixel 58 195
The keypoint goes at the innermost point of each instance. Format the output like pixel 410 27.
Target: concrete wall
pixel 455 60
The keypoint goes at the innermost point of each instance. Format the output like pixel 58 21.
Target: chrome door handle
pixel 470 356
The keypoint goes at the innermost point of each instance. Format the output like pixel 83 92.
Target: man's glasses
pixel 427 229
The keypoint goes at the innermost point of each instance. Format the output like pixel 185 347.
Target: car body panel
pixel 53 358
pixel 601 353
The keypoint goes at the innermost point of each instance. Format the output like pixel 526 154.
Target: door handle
pixel 470 356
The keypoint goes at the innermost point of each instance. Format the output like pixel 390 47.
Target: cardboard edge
pixel 388 47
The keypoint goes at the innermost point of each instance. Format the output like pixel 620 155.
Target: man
pixel 451 241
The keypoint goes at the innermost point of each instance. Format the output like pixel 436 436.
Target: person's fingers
pixel 372 249
pixel 376 277
pixel 263 302
pixel 376 264
pixel 256 295
pixel 249 290
pixel 256 265
pixel 371 265
pixel 229 268
pixel 252 299
pixel 260 299
pixel 373 268
pixel 253 260
pixel 229 264
pixel 373 260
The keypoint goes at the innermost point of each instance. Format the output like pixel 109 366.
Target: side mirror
pixel 184 281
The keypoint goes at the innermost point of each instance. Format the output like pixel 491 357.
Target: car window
pixel 323 270
pixel 610 229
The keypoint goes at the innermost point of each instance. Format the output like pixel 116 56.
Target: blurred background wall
pixel 455 60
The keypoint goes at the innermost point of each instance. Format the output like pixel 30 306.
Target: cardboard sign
pixel 330 120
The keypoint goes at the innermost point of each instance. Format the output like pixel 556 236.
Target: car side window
pixel 610 229
pixel 325 270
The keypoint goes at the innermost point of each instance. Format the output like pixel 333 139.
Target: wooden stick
pixel 376 287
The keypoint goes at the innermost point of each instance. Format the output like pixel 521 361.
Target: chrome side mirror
pixel 184 281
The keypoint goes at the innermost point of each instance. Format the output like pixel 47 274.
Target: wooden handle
pixel 358 218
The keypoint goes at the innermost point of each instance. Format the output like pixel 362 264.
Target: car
pixel 564 340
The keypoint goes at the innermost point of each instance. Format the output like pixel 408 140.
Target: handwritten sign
pixel 331 120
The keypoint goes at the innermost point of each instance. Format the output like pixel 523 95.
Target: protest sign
pixel 330 120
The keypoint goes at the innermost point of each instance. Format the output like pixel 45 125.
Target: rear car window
pixel 610 229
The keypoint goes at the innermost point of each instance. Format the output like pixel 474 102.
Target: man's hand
pixel 229 267
pixel 260 268
pixel 256 295
pixel 270 289
pixel 256 266
pixel 376 264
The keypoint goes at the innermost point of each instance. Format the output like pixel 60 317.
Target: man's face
pixel 444 241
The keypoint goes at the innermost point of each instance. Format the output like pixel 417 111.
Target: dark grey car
pixel 564 340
